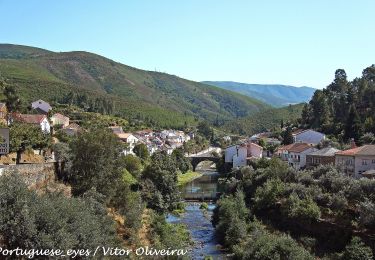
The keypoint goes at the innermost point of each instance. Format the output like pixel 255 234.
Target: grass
pixel 187 177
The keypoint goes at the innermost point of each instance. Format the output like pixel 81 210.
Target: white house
pixel 356 161
pixel 308 136
pixel 130 139
pixel 295 154
pixel 38 120
pixel 238 155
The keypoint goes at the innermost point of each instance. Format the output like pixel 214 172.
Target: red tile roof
pixel 296 147
pixel 362 150
pixel 60 116
pixel 29 119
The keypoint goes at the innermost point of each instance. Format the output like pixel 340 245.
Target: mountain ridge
pixel 39 73
pixel 276 95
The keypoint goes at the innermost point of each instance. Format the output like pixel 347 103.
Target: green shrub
pixel 267 195
pixel 302 209
pixel 357 250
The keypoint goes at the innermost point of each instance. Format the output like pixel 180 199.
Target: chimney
pixel 352 143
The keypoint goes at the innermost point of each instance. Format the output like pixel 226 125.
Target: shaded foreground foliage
pixel 325 213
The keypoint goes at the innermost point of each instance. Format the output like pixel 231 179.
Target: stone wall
pixel 38 176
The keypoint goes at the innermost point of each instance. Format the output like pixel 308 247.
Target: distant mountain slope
pixel 275 95
pixel 164 99
pixel 264 120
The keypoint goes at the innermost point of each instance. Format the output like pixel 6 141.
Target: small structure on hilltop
pixel 59 119
pixel 72 129
pixel 41 106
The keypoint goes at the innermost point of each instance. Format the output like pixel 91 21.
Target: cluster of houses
pixel 165 140
pixel 40 119
pixel 303 153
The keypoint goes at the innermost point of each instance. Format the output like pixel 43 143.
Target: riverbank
pixel 185 178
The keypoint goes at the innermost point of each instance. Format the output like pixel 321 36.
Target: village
pixel 49 123
pixel 308 150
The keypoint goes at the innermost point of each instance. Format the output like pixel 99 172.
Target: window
pixel 373 161
pixel 364 162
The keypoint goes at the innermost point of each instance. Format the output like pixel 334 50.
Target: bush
pixel 267 195
pixel 357 250
pixel 229 218
pixel 338 202
pixel 166 235
pixel 133 164
pixel 367 214
pixel 301 209
pixel 52 220
pixel 265 246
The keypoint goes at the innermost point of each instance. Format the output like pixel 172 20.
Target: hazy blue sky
pixel 290 42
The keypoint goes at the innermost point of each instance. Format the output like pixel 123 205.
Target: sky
pixel 292 42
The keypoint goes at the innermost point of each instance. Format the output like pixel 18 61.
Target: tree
pixel 96 163
pixel 229 219
pixel 141 151
pixel 182 162
pixel 132 164
pixel 287 136
pixel 23 136
pixel 159 185
pixel 32 221
pixel 63 156
pixel 205 129
pixel 12 100
pixel 353 126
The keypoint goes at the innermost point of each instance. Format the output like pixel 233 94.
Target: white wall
pixel 239 159
pixel 229 153
pixel 45 126
pixel 360 167
pixel 302 158
pixel 256 151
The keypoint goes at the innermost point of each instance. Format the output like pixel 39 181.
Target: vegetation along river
pixel 197 220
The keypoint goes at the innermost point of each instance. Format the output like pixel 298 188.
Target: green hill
pixel 164 99
pixel 272 94
pixel 264 120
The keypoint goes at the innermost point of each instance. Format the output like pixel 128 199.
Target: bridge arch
pixel 197 159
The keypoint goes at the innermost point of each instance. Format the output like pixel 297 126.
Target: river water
pixel 198 221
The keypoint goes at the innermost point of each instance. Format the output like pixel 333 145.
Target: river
pixel 198 221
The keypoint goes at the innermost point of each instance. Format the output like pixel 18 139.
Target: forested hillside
pixel 265 120
pixel 103 85
pixel 345 109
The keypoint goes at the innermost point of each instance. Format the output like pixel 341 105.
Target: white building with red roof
pixel 38 120
pixel 240 154
pixel 295 154
pixel 356 161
